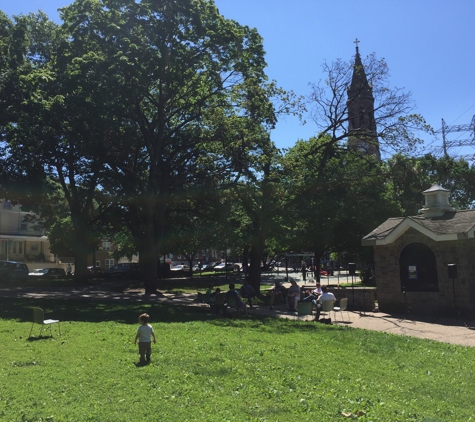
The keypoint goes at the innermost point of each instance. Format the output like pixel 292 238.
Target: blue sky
pixel 427 44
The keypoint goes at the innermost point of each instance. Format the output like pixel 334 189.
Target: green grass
pixel 206 369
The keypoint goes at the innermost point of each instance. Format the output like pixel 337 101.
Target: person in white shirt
pixel 313 295
pixel 145 335
pixel 324 296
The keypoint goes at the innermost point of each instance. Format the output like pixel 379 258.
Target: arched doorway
pixel 418 269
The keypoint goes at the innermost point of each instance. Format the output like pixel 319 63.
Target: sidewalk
pixel 453 331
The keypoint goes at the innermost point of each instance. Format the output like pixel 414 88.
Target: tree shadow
pixel 96 311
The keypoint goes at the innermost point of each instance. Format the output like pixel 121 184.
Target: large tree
pixel 58 127
pixel 179 72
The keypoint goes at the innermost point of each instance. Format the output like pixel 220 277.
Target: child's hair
pixel 144 318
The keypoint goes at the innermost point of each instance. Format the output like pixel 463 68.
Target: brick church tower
pixel 361 124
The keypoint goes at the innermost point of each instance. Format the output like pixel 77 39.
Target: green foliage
pixel 410 176
pixel 334 197
pixel 220 369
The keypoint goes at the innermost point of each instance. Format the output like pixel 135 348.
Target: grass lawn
pixel 207 369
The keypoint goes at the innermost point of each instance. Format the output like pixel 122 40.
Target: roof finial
pixel 357 41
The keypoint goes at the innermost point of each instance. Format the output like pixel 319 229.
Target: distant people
pixel 303 268
pixel 277 291
pixel 68 270
pixel 209 291
pixel 324 297
pixel 144 336
pixel 293 295
pixel 200 266
pixel 232 292
pixel 248 292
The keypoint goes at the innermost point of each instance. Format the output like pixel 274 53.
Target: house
pixel 425 263
pixel 21 239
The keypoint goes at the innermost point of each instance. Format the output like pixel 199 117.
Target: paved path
pixel 454 331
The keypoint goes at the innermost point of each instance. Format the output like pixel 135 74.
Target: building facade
pixel 424 264
pixel 20 238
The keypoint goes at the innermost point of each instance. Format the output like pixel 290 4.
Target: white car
pixel 180 267
pixel 224 267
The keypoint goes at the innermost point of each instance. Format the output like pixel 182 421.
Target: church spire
pixel 360 104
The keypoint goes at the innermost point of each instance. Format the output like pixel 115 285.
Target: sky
pixel 427 44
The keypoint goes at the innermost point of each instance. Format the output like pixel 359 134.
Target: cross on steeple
pixel 357 41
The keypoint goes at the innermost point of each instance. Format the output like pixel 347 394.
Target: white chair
pixel 327 307
pixel 39 318
pixel 343 307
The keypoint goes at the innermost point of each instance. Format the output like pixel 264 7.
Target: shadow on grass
pixel 33 338
pixel 127 313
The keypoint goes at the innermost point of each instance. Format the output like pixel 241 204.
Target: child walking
pixel 145 335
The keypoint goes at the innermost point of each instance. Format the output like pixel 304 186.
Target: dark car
pixel 211 265
pixel 48 273
pixel 126 270
pixel 95 272
pixel 13 271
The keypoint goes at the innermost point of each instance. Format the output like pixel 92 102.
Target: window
pixel 34 247
pixel 23 226
pixel 7 205
pixel 14 247
pixel 20 247
pixel 108 263
pixel 98 263
pixel 106 246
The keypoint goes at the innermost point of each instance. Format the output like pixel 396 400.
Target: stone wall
pixel 388 283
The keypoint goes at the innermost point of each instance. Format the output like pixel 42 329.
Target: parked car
pixel 48 273
pixel 130 270
pixel 95 272
pixel 211 265
pixel 196 268
pixel 179 270
pixel 228 266
pixel 13 271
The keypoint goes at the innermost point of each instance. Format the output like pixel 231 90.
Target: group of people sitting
pixel 218 301
pixel 316 296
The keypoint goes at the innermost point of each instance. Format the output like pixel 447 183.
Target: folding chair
pixel 39 318
pixel 343 307
pixel 327 307
pixel 232 304
pixel 304 308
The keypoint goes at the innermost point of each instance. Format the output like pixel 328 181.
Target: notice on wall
pixel 412 271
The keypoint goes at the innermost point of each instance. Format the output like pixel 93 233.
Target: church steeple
pixel 360 105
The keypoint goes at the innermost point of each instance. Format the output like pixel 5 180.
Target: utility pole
pixel 470 142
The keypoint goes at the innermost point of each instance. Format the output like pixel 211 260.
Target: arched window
pixel 418 269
